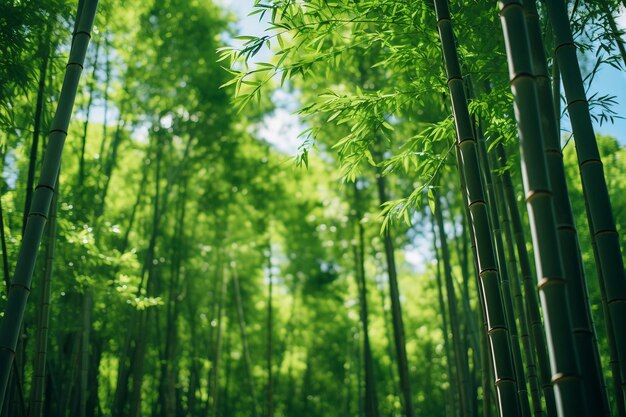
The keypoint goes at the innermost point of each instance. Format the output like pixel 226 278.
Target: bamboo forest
pixel 313 208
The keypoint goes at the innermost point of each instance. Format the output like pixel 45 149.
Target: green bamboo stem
pixel 269 398
pixel 619 398
pixel 493 306
pixel 396 308
pixel 580 311
pixel 32 160
pixel 487 365
pixel 532 304
pixel 42 198
pixel 506 286
pixel 244 337
pixel 460 352
pixel 518 297
pixel 598 204
pixel 571 398
pixel 614 30
pixel 41 342
pixel 451 405
pixel 371 398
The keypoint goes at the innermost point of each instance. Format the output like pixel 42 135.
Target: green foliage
pixel 167 190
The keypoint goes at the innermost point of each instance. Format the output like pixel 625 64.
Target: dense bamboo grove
pixel 444 237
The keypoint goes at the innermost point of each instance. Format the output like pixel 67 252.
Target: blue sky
pixel 608 81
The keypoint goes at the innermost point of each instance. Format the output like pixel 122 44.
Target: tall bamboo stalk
pixel 571 398
pixel 371 397
pixel 460 352
pixel 580 311
pixel 518 297
pixel 42 198
pixel 532 304
pixel 506 286
pixel 41 342
pixel 83 143
pixel 41 88
pixel 217 353
pixel 599 213
pixel 244 338
pixel 489 286
pixel 452 405
pixel 396 308
pixel 5 256
pixel 270 333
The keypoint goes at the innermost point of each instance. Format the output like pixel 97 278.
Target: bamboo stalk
pixel 571 398
pixel 580 311
pixel 493 308
pixel 598 205
pixel 42 198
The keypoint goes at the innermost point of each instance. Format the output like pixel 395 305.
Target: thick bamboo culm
pixel 580 311
pixel 571 398
pixel 42 197
pixel 505 381
pixel 599 213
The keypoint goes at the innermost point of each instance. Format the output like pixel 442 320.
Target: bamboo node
pixel 564 44
pixel 603 232
pixel 36 213
pixel 590 162
pixel 545 282
pixel 534 194
pixel 75 63
pixel 508 5
pixel 20 285
pixel 58 130
pixel 8 349
pixel 564 377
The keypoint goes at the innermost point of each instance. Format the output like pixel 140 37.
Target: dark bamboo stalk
pixel 83 142
pixel 451 406
pixel 215 370
pixel 32 161
pixel 520 309
pixel 42 198
pixel 460 352
pixel 564 356
pixel 41 342
pixel 469 168
pixel 270 333
pixel 598 204
pixel 244 338
pixel 506 286
pixel 532 304
pixel 371 398
pixel 396 309
pixel 580 311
